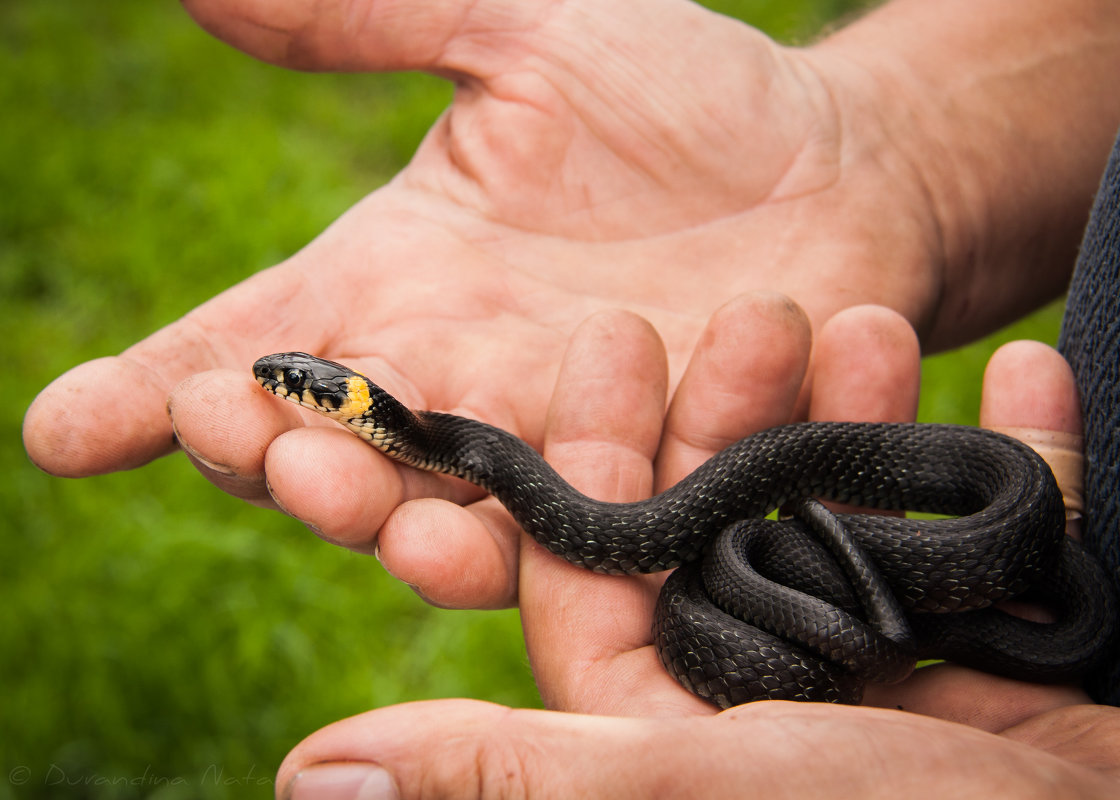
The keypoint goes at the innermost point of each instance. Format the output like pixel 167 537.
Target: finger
pixel 969 697
pixel 362 35
pixel 274 454
pixel 110 414
pixel 866 368
pixel 342 488
pixel 1030 393
pixel 351 495
pixel 588 635
pixel 413 521
pixel 1027 387
pixel 464 748
pixel 453 556
pixel 78 425
pixel 225 424
pixel 467 749
pixel 744 376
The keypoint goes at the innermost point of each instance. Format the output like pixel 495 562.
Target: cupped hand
pixel 589 636
pixel 640 735
pixel 662 159
pixel 657 159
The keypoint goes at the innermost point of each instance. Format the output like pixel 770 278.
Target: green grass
pixel 159 638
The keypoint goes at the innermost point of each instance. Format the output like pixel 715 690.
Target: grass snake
pixel 812 605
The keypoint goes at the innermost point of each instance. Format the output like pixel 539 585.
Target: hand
pixel 466 749
pixel 589 634
pixel 594 158
pixel 659 159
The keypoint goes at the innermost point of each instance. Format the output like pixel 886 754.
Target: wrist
pixel 997 130
pixel 886 190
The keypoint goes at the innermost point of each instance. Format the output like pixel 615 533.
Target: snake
pixel 772 594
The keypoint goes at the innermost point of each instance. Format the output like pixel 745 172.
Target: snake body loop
pixel 767 609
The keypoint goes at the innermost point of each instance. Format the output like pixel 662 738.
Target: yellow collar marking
pixel 357 399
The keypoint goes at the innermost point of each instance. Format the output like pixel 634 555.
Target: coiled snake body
pixel 807 608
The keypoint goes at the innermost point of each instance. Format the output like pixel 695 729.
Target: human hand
pixel 745 376
pixel 582 134
pixel 604 429
pixel 594 157
pixel 746 367
pixel 466 749
pixel 589 634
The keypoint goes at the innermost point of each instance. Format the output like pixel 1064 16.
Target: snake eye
pixel 293 378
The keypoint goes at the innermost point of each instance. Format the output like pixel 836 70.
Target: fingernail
pixel 354 781
pixel 313 528
pixel 221 469
pixel 412 586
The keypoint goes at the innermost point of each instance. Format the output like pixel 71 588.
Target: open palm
pixel 594 158
pixel 588 161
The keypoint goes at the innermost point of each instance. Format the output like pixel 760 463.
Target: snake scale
pixel 811 606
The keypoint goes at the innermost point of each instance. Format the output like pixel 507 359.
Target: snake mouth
pixel 271 385
pixel 300 397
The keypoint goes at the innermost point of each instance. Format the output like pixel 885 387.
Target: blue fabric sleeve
pixel 1090 341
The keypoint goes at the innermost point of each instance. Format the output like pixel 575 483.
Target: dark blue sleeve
pixel 1090 341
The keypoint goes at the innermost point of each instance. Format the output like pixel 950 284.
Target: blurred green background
pixel 157 638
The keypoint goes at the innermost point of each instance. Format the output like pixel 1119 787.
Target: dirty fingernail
pixel 354 781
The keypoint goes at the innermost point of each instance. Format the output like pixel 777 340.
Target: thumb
pixel 467 748
pixel 360 35
pixel 470 749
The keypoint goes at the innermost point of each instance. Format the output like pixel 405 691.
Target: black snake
pixel 809 607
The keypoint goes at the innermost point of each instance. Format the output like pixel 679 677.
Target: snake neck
pixel 439 442
pixel 392 428
pixel 486 456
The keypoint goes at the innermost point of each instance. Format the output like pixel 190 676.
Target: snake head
pixel 345 396
pixel 314 383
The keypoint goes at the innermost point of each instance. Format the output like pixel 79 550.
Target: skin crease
pixel 701 163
